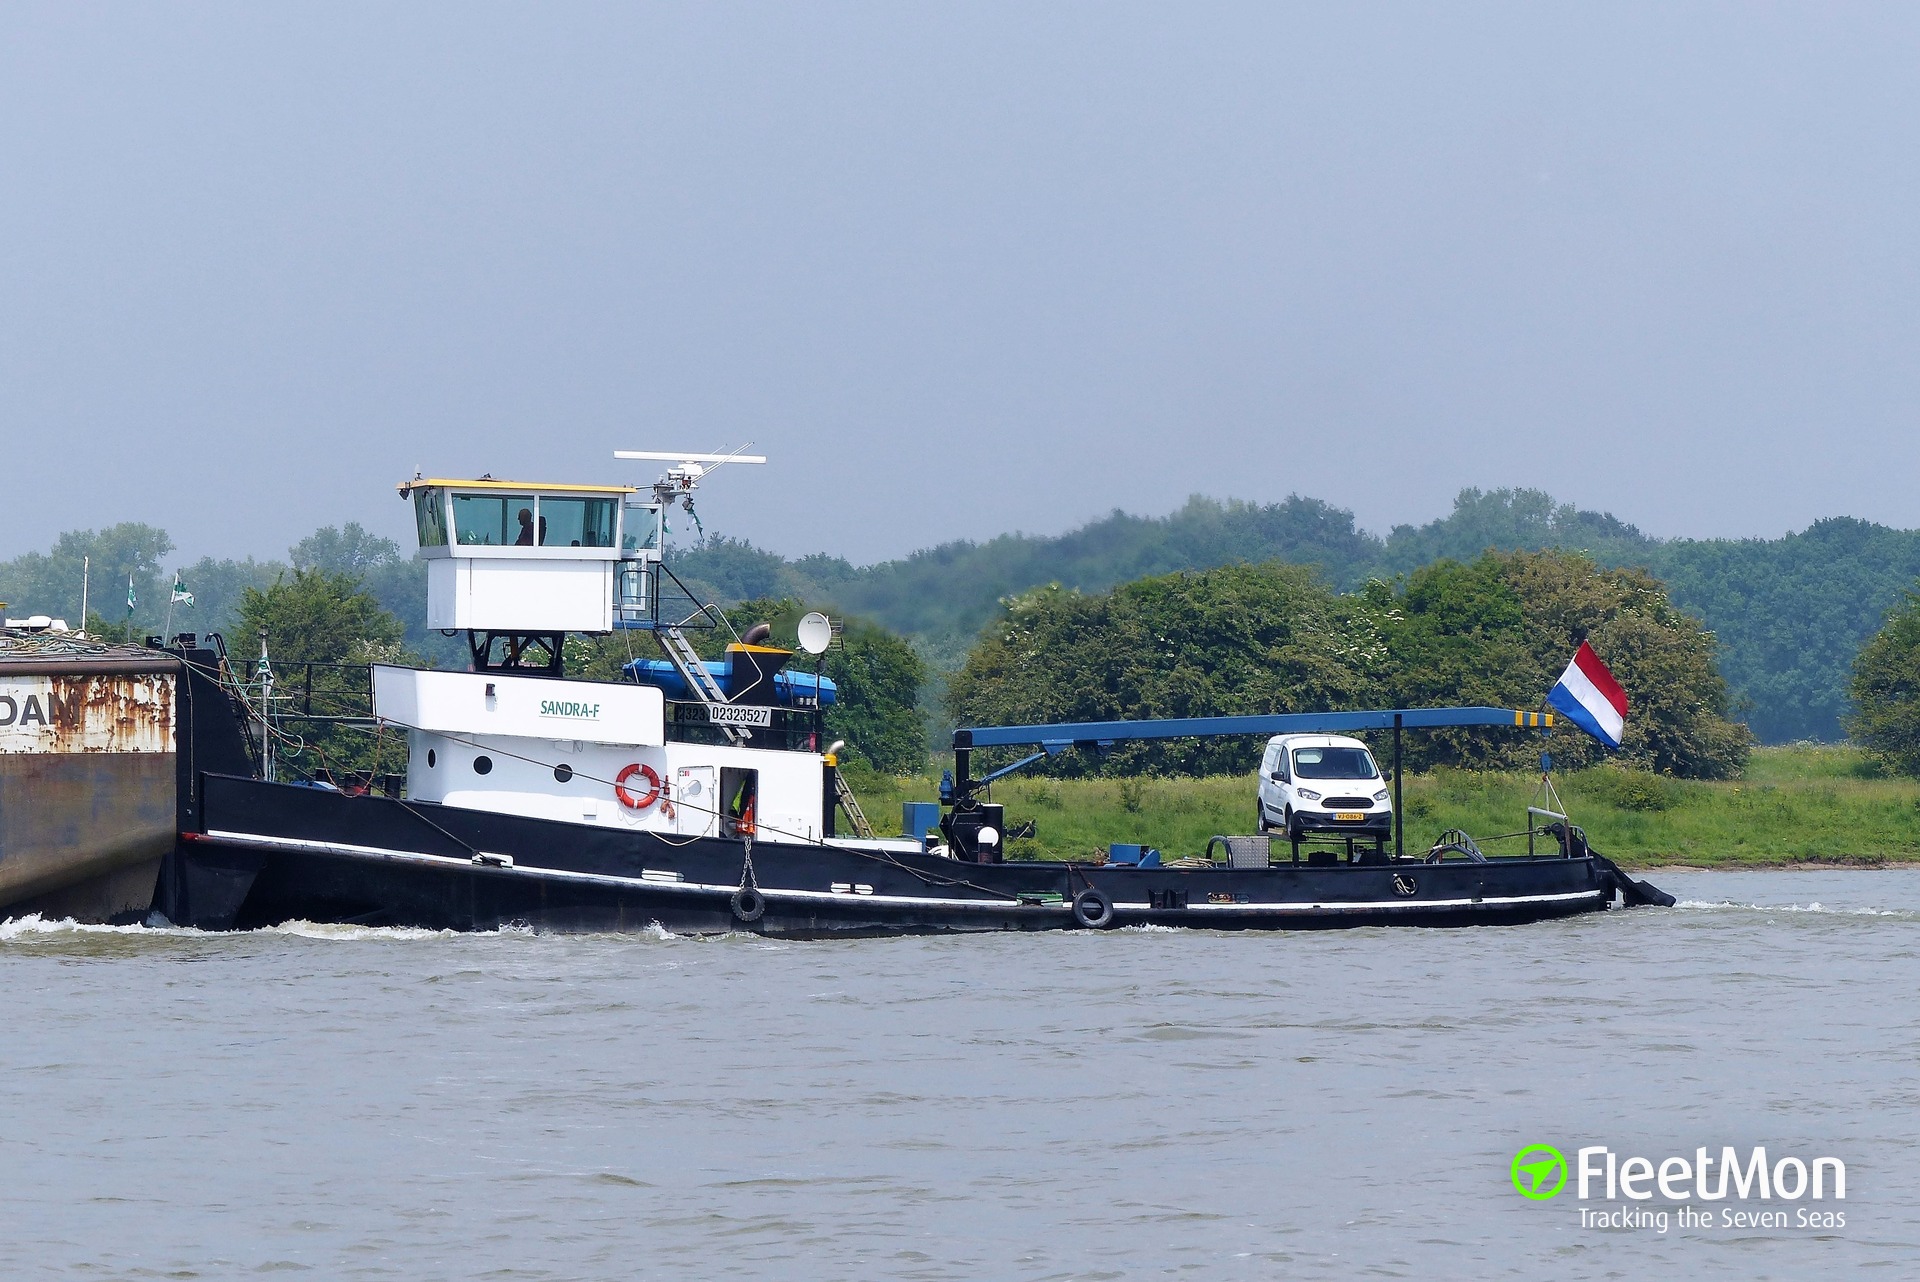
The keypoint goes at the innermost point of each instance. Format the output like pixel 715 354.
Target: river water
pixel 1135 1104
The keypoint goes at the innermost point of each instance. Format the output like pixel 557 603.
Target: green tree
pixel 218 587
pixel 945 595
pixel 725 569
pixel 1510 521
pixel 388 574
pixel 1239 640
pixel 347 549
pixel 1274 638
pixel 879 676
pixel 1792 613
pixel 49 582
pixel 1499 631
pixel 322 629
pixel 1886 690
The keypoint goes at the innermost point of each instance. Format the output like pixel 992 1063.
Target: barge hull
pixel 82 835
pixel 87 778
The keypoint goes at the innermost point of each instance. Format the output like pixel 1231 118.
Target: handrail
pixel 712 616
pixel 1106 732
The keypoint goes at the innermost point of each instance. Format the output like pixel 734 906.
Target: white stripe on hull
pixel 451 863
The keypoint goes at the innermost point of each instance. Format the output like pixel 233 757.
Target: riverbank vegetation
pixel 1789 614
pixel 1886 691
pixel 1803 805
pixel 1712 632
pixel 1249 638
pixel 1274 638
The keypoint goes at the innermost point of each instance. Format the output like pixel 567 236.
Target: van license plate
pixel 1350 816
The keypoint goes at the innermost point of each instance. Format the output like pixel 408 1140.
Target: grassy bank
pixel 1796 805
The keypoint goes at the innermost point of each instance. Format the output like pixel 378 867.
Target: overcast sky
pixel 958 269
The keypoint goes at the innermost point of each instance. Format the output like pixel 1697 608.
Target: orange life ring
pixel 627 799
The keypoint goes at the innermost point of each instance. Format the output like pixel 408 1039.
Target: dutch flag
pixel 1588 696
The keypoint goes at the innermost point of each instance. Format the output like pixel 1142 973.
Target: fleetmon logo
pixel 1539 1171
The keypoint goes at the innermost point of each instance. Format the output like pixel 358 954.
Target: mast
pixel 677 485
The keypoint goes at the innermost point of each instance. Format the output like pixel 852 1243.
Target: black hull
pixel 271 853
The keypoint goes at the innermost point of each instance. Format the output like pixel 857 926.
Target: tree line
pixel 344 598
pixel 1808 605
pixel 1789 613
pixel 1276 638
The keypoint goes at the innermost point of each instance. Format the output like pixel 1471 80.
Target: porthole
pixel 482 765
pixel 430 759
pixel 563 772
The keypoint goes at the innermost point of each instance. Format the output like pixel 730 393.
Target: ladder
pixel 848 803
pixel 686 661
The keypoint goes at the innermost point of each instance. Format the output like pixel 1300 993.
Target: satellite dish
pixel 816 633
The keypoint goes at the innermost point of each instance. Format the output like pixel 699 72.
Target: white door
pixel 696 801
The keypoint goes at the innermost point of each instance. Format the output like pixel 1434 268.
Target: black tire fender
pixel 1092 909
pixel 749 904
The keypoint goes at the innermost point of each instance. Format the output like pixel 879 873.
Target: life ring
pixel 1092 909
pixel 627 799
pixel 749 903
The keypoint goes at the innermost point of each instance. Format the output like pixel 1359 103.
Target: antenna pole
pixel 1399 830
pixel 266 696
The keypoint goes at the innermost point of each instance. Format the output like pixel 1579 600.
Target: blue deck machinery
pixel 1051 740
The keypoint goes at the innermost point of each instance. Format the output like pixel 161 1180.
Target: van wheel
pixel 1293 829
pixel 1260 823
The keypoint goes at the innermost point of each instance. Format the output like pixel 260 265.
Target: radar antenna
pixel 682 479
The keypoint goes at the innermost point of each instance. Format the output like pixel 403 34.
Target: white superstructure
pixel 587 752
pixel 517 566
pixel 510 556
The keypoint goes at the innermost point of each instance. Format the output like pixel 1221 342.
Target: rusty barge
pixel 97 767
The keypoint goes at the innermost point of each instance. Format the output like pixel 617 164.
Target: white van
pixel 1323 783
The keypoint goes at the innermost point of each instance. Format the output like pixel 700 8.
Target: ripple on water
pixel 380 1103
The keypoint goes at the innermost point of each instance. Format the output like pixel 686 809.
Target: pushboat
pixel 697 795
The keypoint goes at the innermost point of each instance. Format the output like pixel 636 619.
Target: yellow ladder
pixel 848 803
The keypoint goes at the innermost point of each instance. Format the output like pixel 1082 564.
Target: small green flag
pixel 129 594
pixel 180 593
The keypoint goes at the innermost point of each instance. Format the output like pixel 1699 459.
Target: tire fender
pixel 1092 909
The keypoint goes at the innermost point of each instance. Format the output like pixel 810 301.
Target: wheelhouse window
pixel 494 520
pixel 1334 763
pixel 430 516
pixel 643 528
pixel 577 522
